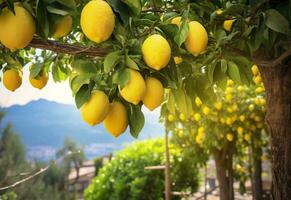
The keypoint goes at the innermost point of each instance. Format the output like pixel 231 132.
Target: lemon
pixel 229 90
pixel 156 52
pixel 17 30
pixel 171 118
pixel 182 117
pixel 260 90
pixel 154 93
pixel 176 20
pixel 178 60
pixel 97 20
pixel 255 70
pixel 200 130
pixel 12 79
pixel 257 79
pixel 242 118
pixel 247 137
pixel 229 137
pixel 228 97
pixel 197 39
pixel 95 110
pixel 63 27
pixel 230 83
pixel 135 89
pixel 205 110
pixel 240 130
pixel 263 102
pixel 218 12
pixel 218 105
pixel 198 102
pixel 227 24
pixel 228 121
pixel 116 120
pixel 39 81
pixel 251 107
pixel 197 117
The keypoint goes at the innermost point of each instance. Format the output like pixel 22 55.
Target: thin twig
pixel 42 170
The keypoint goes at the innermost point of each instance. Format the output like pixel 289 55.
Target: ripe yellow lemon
pixel 95 110
pixel 40 81
pixel 63 27
pixel 12 79
pixel 197 38
pixel 135 89
pixel 154 93
pixel 17 30
pixel 176 20
pixel 227 24
pixel 156 52
pixel 97 20
pixel 255 70
pixel 116 120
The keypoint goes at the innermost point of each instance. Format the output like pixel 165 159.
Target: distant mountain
pixel 43 125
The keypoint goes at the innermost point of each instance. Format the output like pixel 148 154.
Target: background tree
pixel 125 176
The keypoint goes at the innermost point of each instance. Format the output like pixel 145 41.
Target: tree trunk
pixel 257 187
pixel 277 81
pixel 224 172
pixel 168 192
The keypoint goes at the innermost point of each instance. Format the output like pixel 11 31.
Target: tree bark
pixel 224 172
pixel 277 81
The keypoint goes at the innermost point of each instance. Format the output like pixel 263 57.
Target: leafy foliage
pixel 124 177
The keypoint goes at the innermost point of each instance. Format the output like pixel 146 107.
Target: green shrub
pixel 124 177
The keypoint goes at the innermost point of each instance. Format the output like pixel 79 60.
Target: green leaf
pixel 56 11
pixel 277 22
pixel 82 96
pixel 58 73
pixel 233 71
pixel 136 120
pixel 180 99
pixel 135 6
pixel 10 4
pixel 78 81
pixel 84 66
pixel 171 103
pixel 68 3
pixel 122 9
pixel 121 77
pixel 130 63
pixel 223 64
pixel 182 34
pixel 35 69
pixel 171 30
pixel 111 60
pixel 211 69
pixel 42 19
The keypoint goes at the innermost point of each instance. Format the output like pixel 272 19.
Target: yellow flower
pixel 242 118
pixel 200 130
pixel 230 83
pixel 171 118
pixel 255 70
pixel 258 79
pixel 229 110
pixel 228 97
pixel 247 137
pixel 229 90
pixel 234 118
pixel 228 121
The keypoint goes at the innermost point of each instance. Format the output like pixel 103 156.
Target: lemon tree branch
pixel 72 49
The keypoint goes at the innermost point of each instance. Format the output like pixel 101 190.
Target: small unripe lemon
pixel 135 89
pixel 116 120
pixel 178 60
pixel 40 81
pixel 255 70
pixel 154 93
pixel 156 52
pixel 12 79
pixel 176 20
pixel 63 27
pixel 229 137
pixel 171 118
pixel 17 30
pixel 95 110
pixel 197 38
pixel 227 24
pixel 97 20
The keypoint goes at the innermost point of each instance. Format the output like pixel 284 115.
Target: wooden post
pixel 167 169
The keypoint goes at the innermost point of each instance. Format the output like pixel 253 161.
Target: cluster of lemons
pixel 97 23
pixel 237 113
